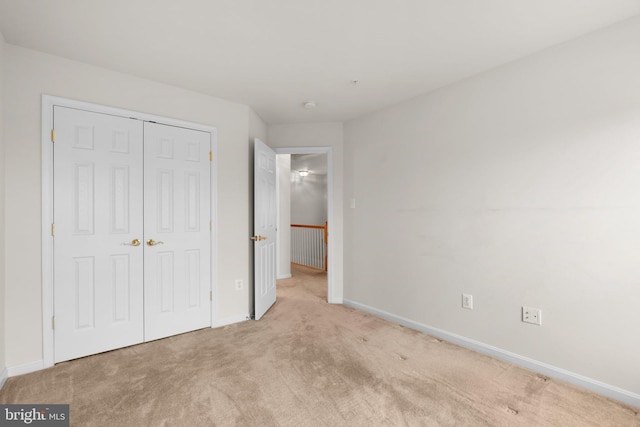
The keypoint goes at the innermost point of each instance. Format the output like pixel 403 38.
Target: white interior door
pixel 98 221
pixel 264 229
pixel 177 195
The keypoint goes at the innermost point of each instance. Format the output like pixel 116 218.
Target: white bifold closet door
pixel 132 238
pixel 177 191
pixel 98 198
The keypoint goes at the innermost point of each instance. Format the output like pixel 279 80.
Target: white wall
pixel 2 217
pixel 283 174
pixel 28 75
pixel 520 186
pixel 321 135
pixel 257 127
pixel 308 199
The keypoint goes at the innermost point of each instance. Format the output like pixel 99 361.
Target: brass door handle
pixel 134 242
pixel 152 242
pixel 258 238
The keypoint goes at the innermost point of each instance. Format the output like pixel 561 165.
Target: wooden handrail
pixel 308 226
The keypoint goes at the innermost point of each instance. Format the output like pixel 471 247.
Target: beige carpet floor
pixel 308 363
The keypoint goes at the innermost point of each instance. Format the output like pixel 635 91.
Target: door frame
pixel 331 249
pixel 48 102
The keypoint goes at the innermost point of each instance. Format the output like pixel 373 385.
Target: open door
pixel 264 228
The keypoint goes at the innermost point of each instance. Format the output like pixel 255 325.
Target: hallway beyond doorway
pixel 304 280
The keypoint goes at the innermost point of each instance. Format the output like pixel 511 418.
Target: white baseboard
pixel 284 276
pixel 230 320
pixel 25 368
pixel 596 386
pixel 336 301
pixel 3 377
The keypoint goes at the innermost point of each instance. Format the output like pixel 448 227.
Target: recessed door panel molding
pixel 192 277
pixel 192 201
pixel 120 141
pixel 83 136
pixel 84 292
pixel 165 281
pixel 165 205
pixel 267 264
pixel 119 200
pixel 192 151
pixel 83 198
pixel 121 285
pixel 164 148
pixel 271 200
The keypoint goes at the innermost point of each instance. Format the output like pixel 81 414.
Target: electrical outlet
pixel 467 301
pixel 239 284
pixel 532 315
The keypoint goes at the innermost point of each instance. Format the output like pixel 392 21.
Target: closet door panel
pixel 177 234
pixel 98 267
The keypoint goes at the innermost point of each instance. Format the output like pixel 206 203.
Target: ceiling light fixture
pixel 303 172
pixel 309 104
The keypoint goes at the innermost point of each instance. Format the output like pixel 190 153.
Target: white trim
pixel 47 239
pixel 3 377
pixel 278 243
pixel 330 216
pixel 25 368
pixel 596 386
pixel 231 320
pixel 284 276
pixel 214 226
pixel 48 103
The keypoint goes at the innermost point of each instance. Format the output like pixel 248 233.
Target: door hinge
pixel 210 295
pixel 53 229
pixel 53 322
pixel 210 225
pixel 53 135
pixel 210 156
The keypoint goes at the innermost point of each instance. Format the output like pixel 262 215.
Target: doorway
pixel 312 191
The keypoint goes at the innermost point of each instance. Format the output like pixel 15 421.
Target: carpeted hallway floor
pixel 308 363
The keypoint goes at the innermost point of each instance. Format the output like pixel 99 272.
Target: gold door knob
pixel 258 238
pixel 152 242
pixel 134 242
